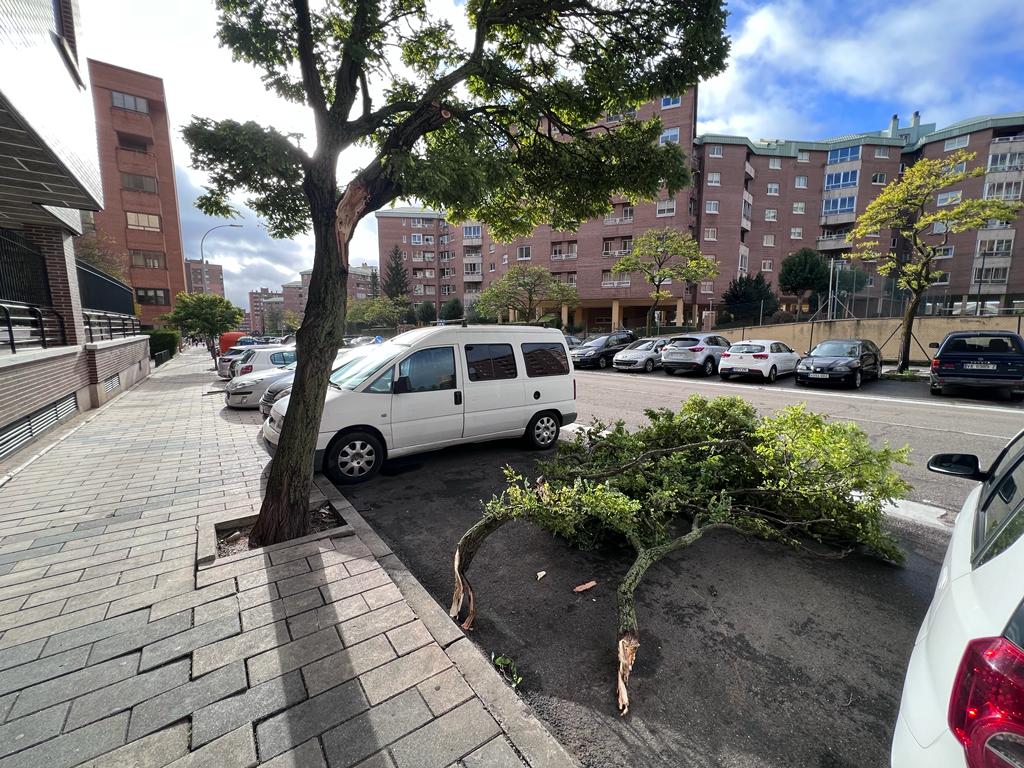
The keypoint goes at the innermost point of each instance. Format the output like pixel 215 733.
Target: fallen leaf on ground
pixel 585 587
pixel 541 575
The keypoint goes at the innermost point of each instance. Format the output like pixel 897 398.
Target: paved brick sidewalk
pixel 116 650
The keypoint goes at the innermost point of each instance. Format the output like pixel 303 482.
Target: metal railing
pixel 100 326
pixel 29 326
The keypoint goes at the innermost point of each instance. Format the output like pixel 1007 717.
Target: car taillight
pixel 935 363
pixel 726 354
pixel 761 356
pixel 696 349
pixel 986 708
pixel 244 370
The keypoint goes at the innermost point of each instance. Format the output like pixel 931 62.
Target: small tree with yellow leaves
pixel 907 207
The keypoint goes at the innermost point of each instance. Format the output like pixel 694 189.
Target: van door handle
pixel 458 397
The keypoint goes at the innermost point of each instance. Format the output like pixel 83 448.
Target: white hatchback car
pixel 246 391
pixel 434 387
pixel 766 358
pixel 261 359
pixel 963 697
pixel 641 355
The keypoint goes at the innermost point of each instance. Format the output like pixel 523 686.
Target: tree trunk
pixel 903 362
pixel 284 514
pixel 464 554
pixel 650 318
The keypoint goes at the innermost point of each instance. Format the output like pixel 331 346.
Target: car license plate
pixel 740 370
pixel 818 375
pixel 980 366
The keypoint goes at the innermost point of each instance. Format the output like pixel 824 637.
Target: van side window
pixel 382 386
pixel 545 359
pixel 488 362
pixel 429 369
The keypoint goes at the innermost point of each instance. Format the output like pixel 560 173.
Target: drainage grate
pixel 112 383
pixel 15 435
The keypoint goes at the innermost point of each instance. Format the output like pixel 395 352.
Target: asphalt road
pixel 752 655
pixel 902 413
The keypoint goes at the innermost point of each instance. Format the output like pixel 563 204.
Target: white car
pixel 963 697
pixel 694 352
pixel 231 354
pixel 434 387
pixel 766 358
pixel 261 359
pixel 245 391
pixel 641 355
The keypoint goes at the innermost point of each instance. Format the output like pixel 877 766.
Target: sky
pixel 804 69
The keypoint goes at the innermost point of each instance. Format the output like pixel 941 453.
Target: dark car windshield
pixel 982 344
pixel 598 341
pixel 684 341
pixel 835 349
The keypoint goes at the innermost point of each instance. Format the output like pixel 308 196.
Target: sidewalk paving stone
pixel 446 739
pixel 310 718
pixel 126 694
pixel 347 664
pixel 71 686
pixel 155 713
pixel 153 751
pixel 404 672
pixel 72 748
pixel 370 732
pixel 257 703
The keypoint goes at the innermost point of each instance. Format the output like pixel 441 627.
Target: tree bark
pixel 284 513
pixel 466 550
pixel 903 362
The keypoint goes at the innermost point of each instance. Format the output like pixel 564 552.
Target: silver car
pixel 245 391
pixel 694 352
pixel 641 355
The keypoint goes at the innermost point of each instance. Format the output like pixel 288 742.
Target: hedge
pixel 163 340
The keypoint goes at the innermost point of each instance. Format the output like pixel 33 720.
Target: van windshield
pixel 364 362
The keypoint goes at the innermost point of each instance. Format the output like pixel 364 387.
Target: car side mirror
pixel 933 345
pixel 401 386
pixel 963 465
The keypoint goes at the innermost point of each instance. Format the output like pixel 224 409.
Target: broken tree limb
pixel 464 554
pixel 629 631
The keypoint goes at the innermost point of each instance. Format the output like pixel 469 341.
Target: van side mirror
pixel 933 345
pixel 401 386
pixel 963 465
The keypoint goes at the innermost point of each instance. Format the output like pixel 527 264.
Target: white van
pixel 434 387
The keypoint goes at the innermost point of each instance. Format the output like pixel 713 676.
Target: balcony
pixel 131 161
pixel 570 256
pixel 473 277
pixel 132 123
pixel 617 254
pixel 473 240
pixel 833 242
pixel 615 283
pixel 748 169
pixel 618 220
pixel 843 217
pixel 1003 140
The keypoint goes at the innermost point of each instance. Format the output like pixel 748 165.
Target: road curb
pixel 526 732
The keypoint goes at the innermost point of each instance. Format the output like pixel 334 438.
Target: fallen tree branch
pixel 464 554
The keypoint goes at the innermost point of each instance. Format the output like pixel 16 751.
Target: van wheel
pixel 542 431
pixel 709 367
pixel 353 458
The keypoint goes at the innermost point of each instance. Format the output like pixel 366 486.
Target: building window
pixel 942 279
pixel 147 221
pixel 152 296
pixel 881 152
pixel 415 221
pixel 944 252
pixel 775 163
pixel 669 134
pixel 844 155
pixel 939 227
pixel 800 182
pixel 796 233
pixel 803 156
pixel 1003 190
pixel 841 180
pixel 490 247
pixel 430 290
pixel 148 259
pixel 767 265
pixel 768 241
pixel 472 268
pixel 771 214
pixel 949 198
pixel 667 102
pixel 428 239
pixel 707 287
pixel 138 183
pixel 490 267
pixel 714 179
pixel 743 263
pixel 710 206
pixel 714 150
pixel 838 205
pixel 416 239
pixel 878 178
pixel 1007 161
pixel 504 258
pixel 129 102
pixel 666 207
pixel 710 233
pixel 992 248
pixel 570 278
pixel 990 274
pixel 958 168
pixel 773 188
pixel 956 143
pixel 799 208
pixel 524 253
pixel 472 230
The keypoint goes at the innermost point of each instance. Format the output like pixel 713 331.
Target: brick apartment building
pixel 204 277
pixel 140 215
pixel 258 300
pixel 68 343
pixel 752 203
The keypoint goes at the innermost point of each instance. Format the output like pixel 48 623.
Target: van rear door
pixel 494 390
pixel 427 404
pixel 549 379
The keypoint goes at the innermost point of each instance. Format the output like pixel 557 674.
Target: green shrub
pixel 163 340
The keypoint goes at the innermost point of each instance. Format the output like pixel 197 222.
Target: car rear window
pixel 746 349
pixel 979 345
pixel 684 341
pixel 249 355
pixel 489 362
pixel 545 359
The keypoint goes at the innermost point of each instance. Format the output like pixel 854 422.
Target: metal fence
pixel 109 325
pixel 102 292
pixel 23 278
pixel 28 326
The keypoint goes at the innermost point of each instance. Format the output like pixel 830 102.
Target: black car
pixel 842 361
pixel 993 360
pixel 598 351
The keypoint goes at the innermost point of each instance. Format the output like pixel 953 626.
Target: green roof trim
pixel 970 125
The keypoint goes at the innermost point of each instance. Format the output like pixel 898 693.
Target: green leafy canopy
pixel 203 314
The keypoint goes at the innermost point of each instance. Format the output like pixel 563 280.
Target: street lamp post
pixel 202 256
